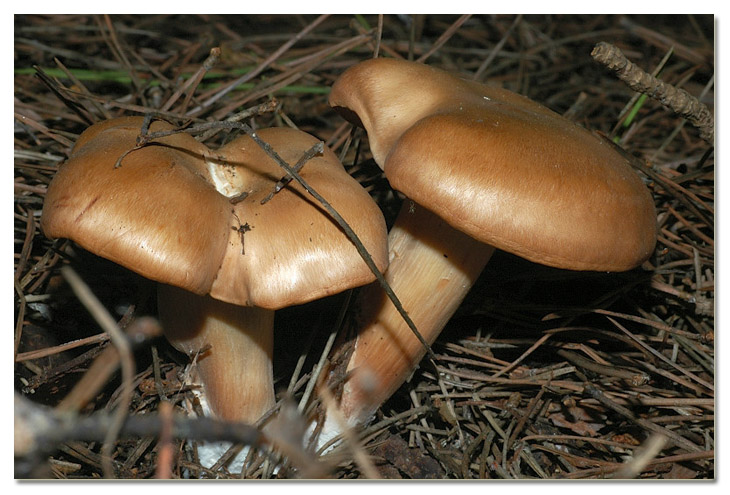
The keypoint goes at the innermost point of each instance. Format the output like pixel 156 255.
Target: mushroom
pixel 192 219
pixel 482 169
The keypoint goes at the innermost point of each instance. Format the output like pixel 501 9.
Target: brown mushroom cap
pixel 311 256
pixel 145 215
pixel 500 167
pixel 160 215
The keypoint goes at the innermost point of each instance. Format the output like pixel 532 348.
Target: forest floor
pixel 542 373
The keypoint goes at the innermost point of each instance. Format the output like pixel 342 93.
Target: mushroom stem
pixel 432 267
pixel 232 347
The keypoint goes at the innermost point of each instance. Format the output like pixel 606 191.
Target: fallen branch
pixel 677 100
pixel 39 430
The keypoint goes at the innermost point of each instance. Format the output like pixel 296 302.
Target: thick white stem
pixel 232 347
pixel 432 267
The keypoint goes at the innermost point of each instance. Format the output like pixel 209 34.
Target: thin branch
pixel 107 323
pixel 40 430
pixel 378 36
pixel 193 82
pixel 676 99
pixel 315 150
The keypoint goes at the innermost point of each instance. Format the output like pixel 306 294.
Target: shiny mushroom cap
pixel 500 167
pixel 294 251
pixel 160 214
